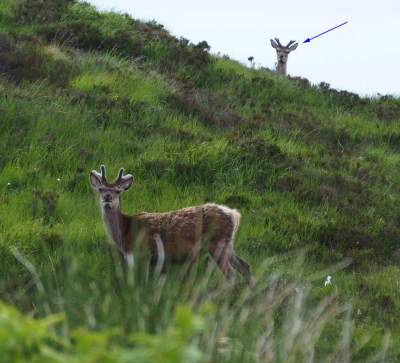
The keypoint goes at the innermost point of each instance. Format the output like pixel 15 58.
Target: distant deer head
pixel 282 53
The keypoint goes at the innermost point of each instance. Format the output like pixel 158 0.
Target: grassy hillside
pixel 314 172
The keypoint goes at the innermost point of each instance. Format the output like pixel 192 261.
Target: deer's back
pixel 183 230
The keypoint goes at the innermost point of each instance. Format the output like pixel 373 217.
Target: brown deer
pixel 282 53
pixel 178 235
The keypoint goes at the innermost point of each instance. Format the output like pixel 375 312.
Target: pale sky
pixel 362 56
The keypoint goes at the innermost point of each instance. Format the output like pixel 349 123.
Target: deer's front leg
pixel 159 259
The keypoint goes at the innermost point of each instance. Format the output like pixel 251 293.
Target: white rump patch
pixel 235 218
pixel 233 213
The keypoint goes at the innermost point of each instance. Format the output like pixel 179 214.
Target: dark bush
pixel 345 237
pixel 44 205
pixel 288 183
pixel 51 239
pixel 387 112
pixel 247 89
pixel 79 181
pixel 39 11
pixel 201 173
pixel 213 110
pixel 7 49
pixel 23 60
pixel 302 83
pixel 262 157
pixel 256 150
pixel 155 168
pixel 345 99
pixel 82 26
pixel 239 201
pixel 20 61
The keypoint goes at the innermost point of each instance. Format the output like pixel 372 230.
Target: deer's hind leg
pixel 242 266
pixel 221 251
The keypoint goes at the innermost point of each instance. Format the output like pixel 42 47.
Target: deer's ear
pixel 126 182
pixel 293 47
pixel 274 44
pixel 95 180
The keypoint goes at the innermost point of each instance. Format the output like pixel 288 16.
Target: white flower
pixel 58 179
pixel 328 280
pixel 8 184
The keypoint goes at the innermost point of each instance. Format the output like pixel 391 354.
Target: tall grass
pixel 189 314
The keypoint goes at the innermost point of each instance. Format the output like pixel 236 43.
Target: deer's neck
pixel 117 226
pixel 281 67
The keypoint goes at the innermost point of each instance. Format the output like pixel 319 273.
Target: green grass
pixel 308 167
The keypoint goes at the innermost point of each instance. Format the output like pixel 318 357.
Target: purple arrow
pixel 309 39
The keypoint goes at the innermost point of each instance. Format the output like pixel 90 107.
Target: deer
pixel 180 235
pixel 282 53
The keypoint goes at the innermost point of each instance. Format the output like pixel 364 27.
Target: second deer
pixel 282 54
pixel 178 235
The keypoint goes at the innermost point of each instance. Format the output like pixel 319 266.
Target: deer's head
pixel 109 193
pixel 283 51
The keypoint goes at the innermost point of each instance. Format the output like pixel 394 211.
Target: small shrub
pixel 156 168
pixel 29 61
pixel 201 172
pixel 79 179
pixel 302 83
pixel 387 112
pixel 345 99
pixel 211 109
pixel 346 238
pixel 24 339
pixel 238 201
pixel 82 26
pixel 20 60
pixel 257 150
pixel 44 204
pixel 39 11
pixel 289 182
pixel 327 194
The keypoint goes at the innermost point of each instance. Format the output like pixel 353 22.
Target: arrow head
pixel 307 40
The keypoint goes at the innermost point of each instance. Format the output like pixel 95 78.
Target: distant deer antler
pixel 292 45
pixel 282 53
pixel 278 42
